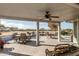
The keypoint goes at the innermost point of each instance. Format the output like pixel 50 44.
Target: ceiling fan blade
pixel 50 19
pixel 55 16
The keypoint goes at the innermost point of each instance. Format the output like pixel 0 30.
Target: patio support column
pixel 59 32
pixel 76 32
pixel 0 27
pixel 37 34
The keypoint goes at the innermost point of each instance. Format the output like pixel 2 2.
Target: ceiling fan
pixel 49 16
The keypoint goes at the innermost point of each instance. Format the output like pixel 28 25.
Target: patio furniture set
pixel 22 38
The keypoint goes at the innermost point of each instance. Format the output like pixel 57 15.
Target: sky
pixel 31 24
pixel 66 25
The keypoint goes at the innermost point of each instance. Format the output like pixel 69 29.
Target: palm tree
pixel 53 26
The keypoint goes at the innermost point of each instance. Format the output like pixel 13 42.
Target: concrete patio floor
pixel 30 48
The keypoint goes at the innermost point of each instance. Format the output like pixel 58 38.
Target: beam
pixel 72 5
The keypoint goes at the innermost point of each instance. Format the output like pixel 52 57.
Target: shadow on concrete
pixel 17 54
pixel 32 43
pixel 8 51
pixel 47 45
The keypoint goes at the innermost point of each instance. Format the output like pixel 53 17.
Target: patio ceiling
pixel 35 11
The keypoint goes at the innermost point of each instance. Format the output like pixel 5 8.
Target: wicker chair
pixel 59 49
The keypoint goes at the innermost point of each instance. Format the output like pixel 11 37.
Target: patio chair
pixel 23 38
pixel 59 49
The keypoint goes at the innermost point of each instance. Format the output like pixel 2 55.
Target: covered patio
pixel 36 12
